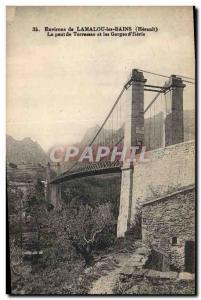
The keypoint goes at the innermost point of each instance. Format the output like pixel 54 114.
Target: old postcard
pixel 100 154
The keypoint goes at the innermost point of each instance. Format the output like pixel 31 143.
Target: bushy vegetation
pixel 50 249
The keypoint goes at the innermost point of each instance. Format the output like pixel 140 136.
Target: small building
pixel 168 227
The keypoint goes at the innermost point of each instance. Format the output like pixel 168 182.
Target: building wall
pixel 165 218
pixel 166 170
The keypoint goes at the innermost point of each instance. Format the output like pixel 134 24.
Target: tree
pixel 36 208
pixel 14 200
pixel 81 225
pixel 85 226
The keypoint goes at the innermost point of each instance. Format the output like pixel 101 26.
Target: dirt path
pixel 106 283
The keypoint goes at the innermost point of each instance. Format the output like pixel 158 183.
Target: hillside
pixel 27 151
pixel 105 135
pixel 153 132
pixel 24 151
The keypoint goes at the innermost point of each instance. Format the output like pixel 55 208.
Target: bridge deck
pixel 66 176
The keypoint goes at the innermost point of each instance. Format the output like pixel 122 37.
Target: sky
pixel 59 87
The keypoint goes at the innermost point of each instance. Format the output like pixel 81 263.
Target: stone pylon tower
pixel 133 136
pixel 53 192
pixel 174 127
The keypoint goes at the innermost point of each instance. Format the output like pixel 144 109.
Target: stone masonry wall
pixel 173 216
pixel 125 201
pixel 166 170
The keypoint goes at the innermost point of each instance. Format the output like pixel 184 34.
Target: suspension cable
pixel 126 86
pixel 161 120
pixel 109 114
pixel 166 76
pixel 150 129
pixel 101 127
pixel 150 104
pixel 154 123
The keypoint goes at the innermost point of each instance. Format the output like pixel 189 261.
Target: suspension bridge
pixel 137 118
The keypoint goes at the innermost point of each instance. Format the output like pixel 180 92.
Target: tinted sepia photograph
pixel 100 150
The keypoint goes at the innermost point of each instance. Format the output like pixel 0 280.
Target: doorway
pixel 190 256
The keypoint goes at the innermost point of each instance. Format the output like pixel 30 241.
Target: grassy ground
pixel 101 278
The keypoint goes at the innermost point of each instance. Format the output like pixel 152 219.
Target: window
pixel 174 241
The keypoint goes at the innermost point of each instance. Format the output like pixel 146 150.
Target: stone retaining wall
pixel 166 170
pixel 150 282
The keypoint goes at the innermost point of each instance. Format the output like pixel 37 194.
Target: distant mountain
pixel 27 151
pixel 106 136
pixel 153 133
pixel 189 125
pixel 24 151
